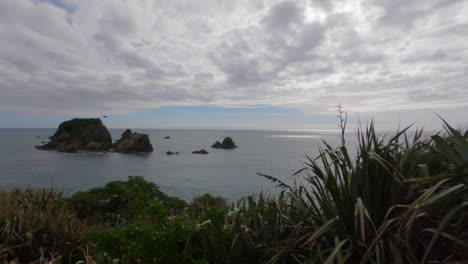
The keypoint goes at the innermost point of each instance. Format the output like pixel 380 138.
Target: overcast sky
pixel 226 63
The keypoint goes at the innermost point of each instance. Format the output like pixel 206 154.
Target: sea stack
pixel 228 143
pixel 133 143
pixel 80 134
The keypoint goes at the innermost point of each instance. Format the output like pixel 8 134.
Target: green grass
pixel 399 199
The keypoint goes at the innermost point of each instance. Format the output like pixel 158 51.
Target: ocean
pixel 227 173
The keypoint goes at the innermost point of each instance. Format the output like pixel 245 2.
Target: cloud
pixel 283 16
pixel 88 57
pixel 403 13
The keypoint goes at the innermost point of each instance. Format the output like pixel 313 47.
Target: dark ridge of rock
pixel 93 146
pixel 127 133
pixel 201 151
pixel 80 134
pixel 217 144
pixel 168 137
pixel 172 153
pixel 133 143
pixel 227 143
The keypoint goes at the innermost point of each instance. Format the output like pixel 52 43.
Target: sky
pixel 244 64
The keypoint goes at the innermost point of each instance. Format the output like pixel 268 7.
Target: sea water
pixel 228 173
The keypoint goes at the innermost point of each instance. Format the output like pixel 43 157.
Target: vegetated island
pixel 90 135
pixel 401 199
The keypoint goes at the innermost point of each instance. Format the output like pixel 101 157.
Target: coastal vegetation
pixel 399 198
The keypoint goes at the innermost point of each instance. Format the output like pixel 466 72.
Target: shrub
pixel 436 221
pixel 381 207
pixel 121 200
pixel 35 224
pixel 158 239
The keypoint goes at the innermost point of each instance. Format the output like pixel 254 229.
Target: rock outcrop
pixel 228 143
pixel 133 143
pixel 80 134
pixel 201 151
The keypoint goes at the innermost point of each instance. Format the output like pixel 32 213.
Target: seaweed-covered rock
pixel 133 142
pixel 228 143
pixel 80 134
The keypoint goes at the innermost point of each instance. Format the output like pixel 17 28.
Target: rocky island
pixel 228 143
pixel 90 135
pixel 133 142
pixel 80 134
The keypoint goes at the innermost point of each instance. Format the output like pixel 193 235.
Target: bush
pixel 35 224
pixel 208 201
pixel 385 206
pixel 119 201
pixel 159 239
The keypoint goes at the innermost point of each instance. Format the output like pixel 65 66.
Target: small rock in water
pixel 201 151
pixel 172 153
pixel 228 143
pixel 168 137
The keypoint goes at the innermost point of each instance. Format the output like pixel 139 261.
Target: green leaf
pixel 441 226
pixel 447 151
pixel 335 252
pixel 320 231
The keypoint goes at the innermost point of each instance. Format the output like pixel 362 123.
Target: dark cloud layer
pixel 87 56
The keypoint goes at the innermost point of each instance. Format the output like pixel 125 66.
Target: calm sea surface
pixel 228 173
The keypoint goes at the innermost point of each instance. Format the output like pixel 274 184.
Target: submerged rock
pixel 132 143
pixel 201 151
pixel 228 143
pixel 80 134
